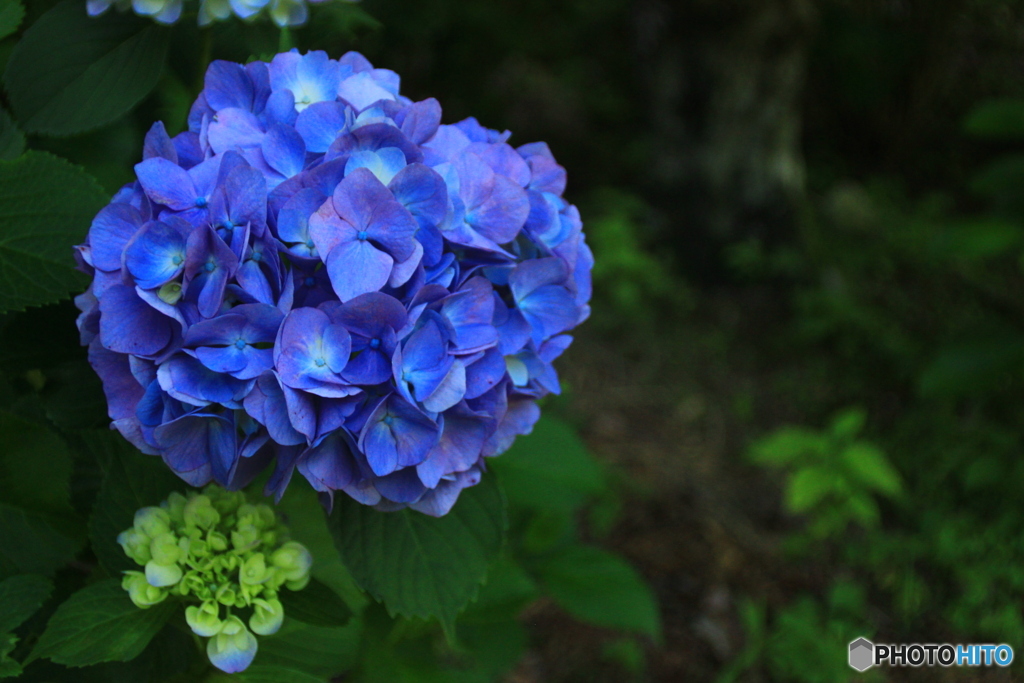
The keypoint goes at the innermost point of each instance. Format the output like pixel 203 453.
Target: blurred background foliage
pixel 803 374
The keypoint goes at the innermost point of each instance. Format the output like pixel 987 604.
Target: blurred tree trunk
pixel 724 80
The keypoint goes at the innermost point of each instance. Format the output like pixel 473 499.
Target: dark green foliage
pixel 316 605
pixel 36 229
pixel 422 566
pixel 11 14
pixel 100 624
pixel 131 481
pixel 71 73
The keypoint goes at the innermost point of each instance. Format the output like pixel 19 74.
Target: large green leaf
pixel 31 543
pixel 302 512
pixel 46 206
pixel 131 480
pixel 20 597
pixel 12 141
pixel 269 673
pixel 35 466
pixel 71 72
pixel 314 650
pixel 422 566
pixel 598 587
pixel 11 14
pixel 100 624
pixel 549 468
pixel 316 604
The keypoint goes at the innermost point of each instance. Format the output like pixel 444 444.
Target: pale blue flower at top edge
pixel 281 12
pixel 319 276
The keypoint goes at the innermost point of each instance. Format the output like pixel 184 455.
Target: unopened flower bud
pixel 140 591
pixel 201 513
pixel 162 575
pixel 135 545
pixel 233 649
pixel 266 617
pixel 164 549
pixel 254 571
pixel 204 620
pixel 152 521
pixel 293 561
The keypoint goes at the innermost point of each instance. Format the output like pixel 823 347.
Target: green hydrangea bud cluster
pixel 222 553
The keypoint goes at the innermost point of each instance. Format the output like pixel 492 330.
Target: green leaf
pixel 35 466
pixel 870 467
pixel 316 604
pixel 422 566
pixel 8 667
pixel 786 446
pixel 549 468
pixel 20 597
pixel 31 544
pixel 320 651
pixel 131 480
pixel 1001 119
pixel 12 141
pixel 275 674
pixel 848 424
pixel 808 487
pixel 508 590
pixel 71 72
pixel 11 14
pixel 100 624
pixel 302 512
pixel 598 587
pixel 46 206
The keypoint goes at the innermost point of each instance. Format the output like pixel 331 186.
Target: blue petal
pixel 113 226
pixel 156 254
pixel 396 435
pixel 266 404
pixel 485 373
pixel 439 502
pixel 383 163
pixel 284 150
pixel 362 89
pixel 322 123
pixel 366 204
pixel 158 144
pixel 228 86
pixel 188 380
pixel 167 183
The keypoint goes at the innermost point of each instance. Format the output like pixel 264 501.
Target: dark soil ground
pixel 672 412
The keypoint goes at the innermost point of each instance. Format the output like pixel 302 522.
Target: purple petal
pixel 158 144
pixel 122 390
pixel 458 449
pixel 421 120
pixel 438 502
pixel 235 129
pixel 130 325
pixel 329 465
pixel 422 192
pixel 357 267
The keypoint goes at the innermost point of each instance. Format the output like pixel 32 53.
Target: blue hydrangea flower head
pixel 319 276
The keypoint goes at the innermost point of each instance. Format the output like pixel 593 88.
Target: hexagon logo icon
pixel 862 653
